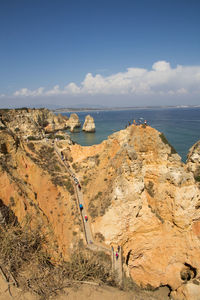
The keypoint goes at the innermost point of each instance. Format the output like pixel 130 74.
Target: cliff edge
pixel 138 193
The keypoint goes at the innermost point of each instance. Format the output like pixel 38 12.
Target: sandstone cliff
pixel 142 197
pixel 34 185
pixel 36 122
pixel 89 125
pixel 138 193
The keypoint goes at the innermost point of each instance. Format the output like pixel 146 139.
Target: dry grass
pixel 86 265
pixel 22 254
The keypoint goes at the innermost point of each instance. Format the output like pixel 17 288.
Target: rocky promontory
pixel 138 194
pixel 36 122
pixel 89 125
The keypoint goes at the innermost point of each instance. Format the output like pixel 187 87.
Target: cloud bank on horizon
pixel 162 80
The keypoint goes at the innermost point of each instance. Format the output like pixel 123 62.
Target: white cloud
pixel 161 66
pixel 26 92
pixel 161 80
pixel 55 91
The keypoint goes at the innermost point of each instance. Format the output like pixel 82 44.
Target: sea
pixel 181 126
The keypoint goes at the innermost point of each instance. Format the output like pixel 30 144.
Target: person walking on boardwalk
pixel 86 218
pixel 116 255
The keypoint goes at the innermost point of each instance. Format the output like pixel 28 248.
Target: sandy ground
pixel 86 292
pixel 109 293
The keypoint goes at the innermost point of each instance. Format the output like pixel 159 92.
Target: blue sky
pixel 122 52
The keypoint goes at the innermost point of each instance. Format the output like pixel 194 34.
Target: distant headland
pixel 85 109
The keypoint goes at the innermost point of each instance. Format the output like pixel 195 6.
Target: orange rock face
pixel 138 193
pixel 35 186
pixel 142 197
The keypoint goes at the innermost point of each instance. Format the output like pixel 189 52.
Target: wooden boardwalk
pixel 117 266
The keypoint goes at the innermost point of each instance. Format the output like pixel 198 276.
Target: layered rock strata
pixel 35 187
pixel 138 193
pixel 145 200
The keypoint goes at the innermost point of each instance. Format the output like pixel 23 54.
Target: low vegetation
pixel 85 180
pixel 165 141
pixel 98 205
pixel 150 188
pixel 197 174
pixel 24 258
pixel 99 237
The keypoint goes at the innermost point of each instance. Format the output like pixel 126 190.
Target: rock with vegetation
pixel 138 194
pixel 34 123
pixel 145 200
pixel 89 125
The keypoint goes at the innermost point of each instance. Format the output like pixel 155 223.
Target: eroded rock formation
pixel 74 122
pixel 34 185
pixel 138 192
pixel 36 122
pixel 89 125
pixel 142 197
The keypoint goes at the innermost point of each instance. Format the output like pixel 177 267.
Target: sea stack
pixel 74 122
pixel 89 125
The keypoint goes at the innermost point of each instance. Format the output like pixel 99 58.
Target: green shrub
pixel 12 201
pixel 69 187
pixel 98 205
pixel 31 146
pixel 32 138
pixel 59 137
pixel 150 189
pixel 197 178
pixel 99 237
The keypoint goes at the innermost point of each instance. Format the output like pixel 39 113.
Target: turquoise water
pixel 181 126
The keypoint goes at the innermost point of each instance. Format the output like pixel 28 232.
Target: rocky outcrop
pixel 2 126
pixel 32 122
pixel 36 123
pixel 138 194
pixel 34 186
pixel 193 161
pixel 55 123
pixel 89 125
pixel 145 200
pixel 190 291
pixel 73 122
